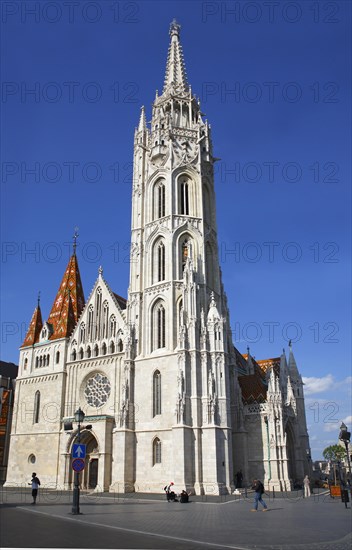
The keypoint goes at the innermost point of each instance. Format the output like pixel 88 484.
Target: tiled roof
pixel 273 363
pixel 35 326
pixel 69 302
pixel 253 388
pixel 121 301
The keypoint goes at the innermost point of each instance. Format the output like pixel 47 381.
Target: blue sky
pixel 273 82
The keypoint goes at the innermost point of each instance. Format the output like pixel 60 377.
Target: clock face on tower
pixel 97 390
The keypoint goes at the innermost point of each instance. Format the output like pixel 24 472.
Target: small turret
pixel 35 327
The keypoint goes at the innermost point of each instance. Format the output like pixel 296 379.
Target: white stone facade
pixel 158 377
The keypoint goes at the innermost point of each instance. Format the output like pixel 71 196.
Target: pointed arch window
pixel 57 358
pixel 47 360
pixel 82 333
pixel 156 393
pixel 98 303
pixel 89 352
pixel 158 326
pixel 90 322
pixel 106 320
pixel 112 328
pixel 25 364
pixel 184 197
pixel 36 407
pixel 37 362
pixel 81 354
pixel 161 261
pixel 160 200
pixel 156 451
pixel 120 345
pixel 103 349
pixel 96 350
pixel 112 347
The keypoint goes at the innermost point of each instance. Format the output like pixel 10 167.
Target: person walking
pixel 35 486
pixel 306 483
pixel 258 492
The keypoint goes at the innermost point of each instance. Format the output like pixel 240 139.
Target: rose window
pixel 97 390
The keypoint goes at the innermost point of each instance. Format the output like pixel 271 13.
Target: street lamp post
pixel 79 417
pixel 345 436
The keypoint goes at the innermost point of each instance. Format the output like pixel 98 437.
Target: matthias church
pixel 167 394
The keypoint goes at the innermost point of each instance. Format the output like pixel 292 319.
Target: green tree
pixel 334 452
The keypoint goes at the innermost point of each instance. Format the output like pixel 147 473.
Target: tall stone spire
pixel 34 329
pixel 142 126
pixel 68 303
pixel 175 76
pixel 292 365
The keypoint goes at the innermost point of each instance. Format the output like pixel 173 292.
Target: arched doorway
pixel 89 477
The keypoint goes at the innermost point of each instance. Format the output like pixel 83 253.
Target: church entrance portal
pixel 89 476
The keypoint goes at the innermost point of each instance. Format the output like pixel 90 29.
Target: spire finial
pixel 174 28
pixel 248 350
pixel 290 344
pixel 100 270
pixel 175 76
pixel 75 241
pixel 142 121
pixel 38 299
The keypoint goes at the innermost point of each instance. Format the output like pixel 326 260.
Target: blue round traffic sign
pixel 78 464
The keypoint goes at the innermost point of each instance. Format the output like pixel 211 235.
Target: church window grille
pixel 112 347
pixel 97 390
pixel 156 393
pixel 156 451
pixel 36 407
pixel 81 353
pixel 120 345
pixel 57 359
pixel 161 261
pixel 103 349
pixel 184 198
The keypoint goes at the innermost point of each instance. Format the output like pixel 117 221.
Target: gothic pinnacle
pixel 175 76
pixel 142 121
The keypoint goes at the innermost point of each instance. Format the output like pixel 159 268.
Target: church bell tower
pixel 178 376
